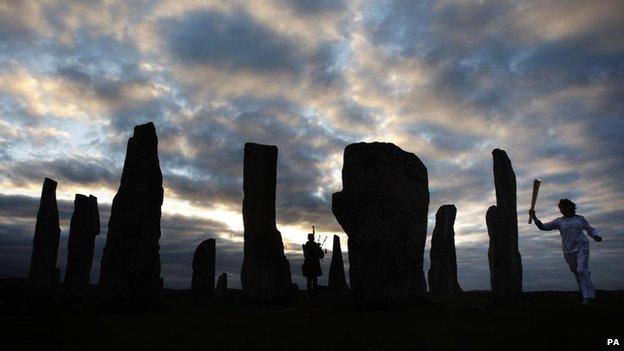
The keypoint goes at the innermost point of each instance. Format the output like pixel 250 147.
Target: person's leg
pixel 315 283
pixel 309 285
pixel 572 261
pixel 587 288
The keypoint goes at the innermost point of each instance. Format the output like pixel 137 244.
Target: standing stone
pixel 84 226
pixel 337 280
pixel 265 274
pixel 45 245
pixel 130 269
pixel 383 209
pixel 502 222
pixel 443 271
pixel 222 284
pixel 202 284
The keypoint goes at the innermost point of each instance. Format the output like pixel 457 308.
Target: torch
pixel 536 186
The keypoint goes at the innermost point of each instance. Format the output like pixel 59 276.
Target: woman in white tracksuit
pixel 574 243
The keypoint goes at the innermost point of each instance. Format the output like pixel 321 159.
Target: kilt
pixel 311 268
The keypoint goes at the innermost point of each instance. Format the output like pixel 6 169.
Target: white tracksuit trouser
pixel 579 265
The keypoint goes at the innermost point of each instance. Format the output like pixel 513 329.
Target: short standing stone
pixel 383 209
pixel 337 280
pixel 42 274
pixel 202 284
pixel 502 222
pixel 265 274
pixel 222 284
pixel 130 269
pixel 443 271
pixel 84 226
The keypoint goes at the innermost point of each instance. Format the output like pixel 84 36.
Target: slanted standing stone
pixel 42 274
pixel 84 226
pixel 383 209
pixel 222 284
pixel 443 271
pixel 502 222
pixel 337 280
pixel 265 274
pixel 202 284
pixel 130 269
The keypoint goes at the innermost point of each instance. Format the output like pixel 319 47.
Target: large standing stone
pixel 131 261
pixel 265 274
pixel 383 209
pixel 337 280
pixel 84 226
pixel 443 271
pixel 202 284
pixel 45 245
pixel 502 222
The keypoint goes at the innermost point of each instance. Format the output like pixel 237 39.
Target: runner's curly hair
pixel 568 204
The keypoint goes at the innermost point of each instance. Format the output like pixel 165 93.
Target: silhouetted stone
pixel 337 280
pixel 202 284
pixel 42 274
pixel 131 261
pixel 84 226
pixel 383 209
pixel 443 271
pixel 502 222
pixel 222 284
pixel 265 274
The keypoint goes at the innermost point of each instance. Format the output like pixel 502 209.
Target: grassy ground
pixel 543 321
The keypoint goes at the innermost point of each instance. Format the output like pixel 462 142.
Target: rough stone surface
pixel 502 223
pixel 337 280
pixel 383 209
pixel 84 226
pixel 443 271
pixel 222 284
pixel 202 284
pixel 130 269
pixel 265 274
pixel 42 274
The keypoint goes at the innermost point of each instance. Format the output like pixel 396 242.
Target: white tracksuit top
pixel 571 230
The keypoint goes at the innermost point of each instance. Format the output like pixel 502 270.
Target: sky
pixel 446 80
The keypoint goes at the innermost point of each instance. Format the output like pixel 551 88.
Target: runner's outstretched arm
pixel 539 224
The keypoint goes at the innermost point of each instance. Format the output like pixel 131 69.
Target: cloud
pixel 448 80
pixel 229 40
pixel 20 21
pixel 306 7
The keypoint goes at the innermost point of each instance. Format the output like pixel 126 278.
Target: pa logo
pixel 613 342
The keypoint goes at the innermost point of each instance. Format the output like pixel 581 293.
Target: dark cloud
pixel 327 65
pixel 76 170
pixel 445 138
pixel 315 7
pixel 17 24
pixel 229 40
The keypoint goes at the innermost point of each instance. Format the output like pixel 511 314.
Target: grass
pixel 542 321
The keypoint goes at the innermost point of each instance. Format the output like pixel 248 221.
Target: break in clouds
pixel 446 80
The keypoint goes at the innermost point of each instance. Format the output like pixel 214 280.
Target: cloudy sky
pixel 447 80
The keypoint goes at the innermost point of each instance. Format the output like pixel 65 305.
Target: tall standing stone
pixel 265 274
pixel 443 271
pixel 502 222
pixel 130 269
pixel 337 280
pixel 383 209
pixel 45 245
pixel 202 284
pixel 84 227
